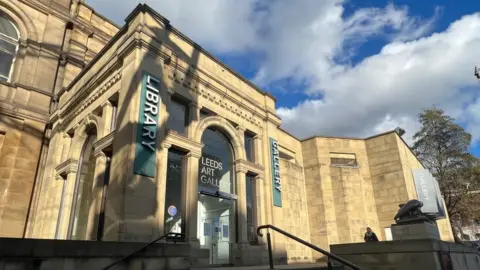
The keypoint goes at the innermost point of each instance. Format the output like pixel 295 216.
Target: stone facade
pixel 84 136
pixel 56 41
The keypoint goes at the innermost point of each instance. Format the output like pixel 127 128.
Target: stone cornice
pixel 66 167
pixel 72 112
pixel 103 143
pixel 245 166
pixel 182 142
pixel 172 29
pixel 202 88
pixel 177 73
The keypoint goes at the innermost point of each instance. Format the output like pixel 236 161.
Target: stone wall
pixel 340 199
pixel 53 48
pixel 295 210
pixel 20 144
pixel 387 177
pixel 410 254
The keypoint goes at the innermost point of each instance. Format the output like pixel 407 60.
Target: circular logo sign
pixel 172 210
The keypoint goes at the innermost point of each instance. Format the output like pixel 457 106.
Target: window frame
pixel 339 156
pixel 183 187
pixel 181 102
pixel 254 223
pixel 251 137
pixel 12 41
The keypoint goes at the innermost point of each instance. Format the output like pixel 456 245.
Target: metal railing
pixel 176 237
pixel 324 252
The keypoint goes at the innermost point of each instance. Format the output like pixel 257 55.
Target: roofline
pixel 369 138
pixel 100 15
pixel 145 7
pixel 101 52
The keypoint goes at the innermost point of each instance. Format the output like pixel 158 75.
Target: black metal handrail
pixel 324 252
pixel 175 235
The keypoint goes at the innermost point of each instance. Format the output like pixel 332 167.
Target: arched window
pixel 216 162
pixel 217 199
pixel 9 36
pixel 83 194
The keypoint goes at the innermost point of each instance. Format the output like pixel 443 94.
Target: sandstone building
pixel 124 134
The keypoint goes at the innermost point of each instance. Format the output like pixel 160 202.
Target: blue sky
pixel 358 67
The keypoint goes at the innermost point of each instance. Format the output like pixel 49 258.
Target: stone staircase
pixel 33 254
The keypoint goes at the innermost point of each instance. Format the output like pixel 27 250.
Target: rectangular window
pixel 173 192
pixel 177 119
pixel 250 181
pixel 343 160
pixel 250 147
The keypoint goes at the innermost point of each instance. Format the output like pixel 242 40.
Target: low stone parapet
pixel 424 254
pixel 65 254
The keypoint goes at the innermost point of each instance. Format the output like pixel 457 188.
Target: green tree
pixel 443 147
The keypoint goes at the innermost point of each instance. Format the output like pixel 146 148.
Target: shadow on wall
pixel 131 206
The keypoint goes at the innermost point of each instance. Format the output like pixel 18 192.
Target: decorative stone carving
pixel 70 114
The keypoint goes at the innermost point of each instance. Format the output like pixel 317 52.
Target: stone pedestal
pixel 415 231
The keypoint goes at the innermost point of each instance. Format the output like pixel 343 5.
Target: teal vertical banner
pixel 276 184
pixel 146 141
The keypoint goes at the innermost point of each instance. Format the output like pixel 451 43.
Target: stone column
pixel 193 119
pixel 107 117
pixel 191 211
pixel 241 190
pixel 97 193
pixel 257 144
pixel 168 104
pixel 258 202
pixel 65 211
pixel 67 141
pixel 161 180
pixel 241 135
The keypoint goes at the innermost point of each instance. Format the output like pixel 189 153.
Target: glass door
pixel 216 227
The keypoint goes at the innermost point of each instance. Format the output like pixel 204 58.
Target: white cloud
pixel 393 86
pixel 220 25
pixel 303 40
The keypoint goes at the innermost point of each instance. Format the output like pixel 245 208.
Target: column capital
pixel 99 153
pixel 194 154
pixel 240 169
pixel 166 145
pixel 194 104
pixel 240 128
pixel 259 177
pixel 106 103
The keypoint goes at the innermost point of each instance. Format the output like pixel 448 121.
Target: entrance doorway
pixel 216 227
pixel 216 199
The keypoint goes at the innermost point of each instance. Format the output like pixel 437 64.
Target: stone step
pixel 303 266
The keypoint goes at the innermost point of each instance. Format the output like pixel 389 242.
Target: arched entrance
pixel 217 199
